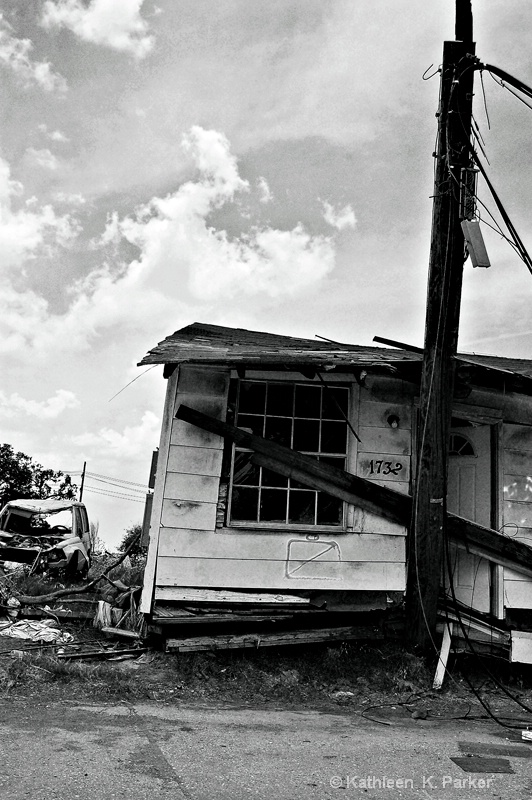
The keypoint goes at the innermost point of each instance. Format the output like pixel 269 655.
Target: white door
pixel 469 496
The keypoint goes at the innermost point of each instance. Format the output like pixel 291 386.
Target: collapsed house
pixel 286 473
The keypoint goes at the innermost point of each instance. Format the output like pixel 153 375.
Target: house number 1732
pixel 379 467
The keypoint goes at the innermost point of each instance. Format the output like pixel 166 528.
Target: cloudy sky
pixel 251 164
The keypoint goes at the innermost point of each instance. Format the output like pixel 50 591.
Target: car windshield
pixel 39 524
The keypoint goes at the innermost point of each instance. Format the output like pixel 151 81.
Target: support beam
pixel 323 477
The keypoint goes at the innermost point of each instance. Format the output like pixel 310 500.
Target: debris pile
pixel 33 608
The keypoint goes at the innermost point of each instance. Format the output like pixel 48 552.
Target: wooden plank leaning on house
pixel 377 499
pixel 360 492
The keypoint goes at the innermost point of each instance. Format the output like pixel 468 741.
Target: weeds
pixel 312 674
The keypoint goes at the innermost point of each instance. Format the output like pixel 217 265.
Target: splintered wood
pixel 255 641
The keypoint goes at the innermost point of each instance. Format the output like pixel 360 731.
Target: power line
pixel 115 495
pixel 112 478
pixel 119 485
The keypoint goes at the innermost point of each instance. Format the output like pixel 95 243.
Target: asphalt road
pixel 64 751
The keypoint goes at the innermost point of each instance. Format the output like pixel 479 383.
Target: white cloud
pixel 184 263
pixel 135 440
pixel 25 231
pixel 42 158
pixel 111 234
pixel 13 404
pixel 341 218
pixel 174 231
pixel 266 195
pixel 70 198
pixel 113 23
pixel 55 136
pixel 15 54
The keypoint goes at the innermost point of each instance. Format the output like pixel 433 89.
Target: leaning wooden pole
pixel 426 552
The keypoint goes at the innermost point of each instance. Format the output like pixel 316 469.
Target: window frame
pixel 293 380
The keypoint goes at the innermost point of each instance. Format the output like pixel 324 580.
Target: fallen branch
pixel 37 600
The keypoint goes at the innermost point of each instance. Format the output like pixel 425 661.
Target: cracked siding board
pixel 195 514
pixel 194 460
pixel 365 522
pixel 281 560
pixel 390 441
pixel 273 574
pixel 374 414
pixel 254 545
pixel 182 486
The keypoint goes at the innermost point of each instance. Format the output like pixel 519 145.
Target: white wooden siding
pixel 192 552
pixel 155 519
pixel 281 560
pixel 384 449
pixel 192 475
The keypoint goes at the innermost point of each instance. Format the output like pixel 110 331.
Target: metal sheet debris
pixel 45 630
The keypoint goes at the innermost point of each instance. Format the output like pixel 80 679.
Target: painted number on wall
pixel 378 466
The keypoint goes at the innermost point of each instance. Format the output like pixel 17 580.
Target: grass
pixel 321 677
pixel 303 675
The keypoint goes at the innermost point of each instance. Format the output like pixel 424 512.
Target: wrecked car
pixel 48 535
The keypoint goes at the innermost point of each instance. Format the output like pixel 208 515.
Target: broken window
pixel 305 417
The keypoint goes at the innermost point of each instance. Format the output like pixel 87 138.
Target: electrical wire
pixel 132 381
pixel 523 253
pixel 485 102
pixel 472 649
pixel 116 495
pixel 110 491
pixel 112 478
pixel 119 485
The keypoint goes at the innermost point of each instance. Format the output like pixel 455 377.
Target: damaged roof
pixel 215 344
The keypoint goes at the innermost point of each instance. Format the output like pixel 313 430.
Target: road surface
pixel 66 751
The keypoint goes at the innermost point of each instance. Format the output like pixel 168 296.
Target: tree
pixel 20 476
pixel 97 544
pixel 130 534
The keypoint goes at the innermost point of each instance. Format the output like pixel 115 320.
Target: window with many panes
pixel 306 417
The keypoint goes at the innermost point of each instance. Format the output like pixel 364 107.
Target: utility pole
pixel 82 481
pixel 453 162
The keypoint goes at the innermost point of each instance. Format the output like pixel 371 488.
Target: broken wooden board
pixel 476 629
pixel 102 654
pixel 120 633
pixel 182 594
pixel 220 619
pixel 256 641
pixel 66 615
pixel 443 657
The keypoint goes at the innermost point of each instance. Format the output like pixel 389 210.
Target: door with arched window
pixel 469 496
